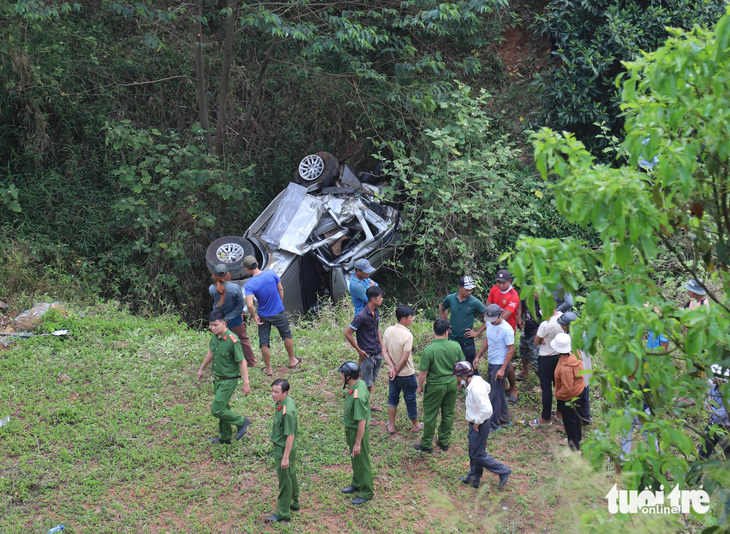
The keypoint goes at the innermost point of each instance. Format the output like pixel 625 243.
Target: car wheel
pixel 320 169
pixel 229 251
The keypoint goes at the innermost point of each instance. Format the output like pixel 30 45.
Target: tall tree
pixel 667 207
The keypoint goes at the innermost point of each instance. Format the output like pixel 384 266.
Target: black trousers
pixel 572 421
pixel 546 373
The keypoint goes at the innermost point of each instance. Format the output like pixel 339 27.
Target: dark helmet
pixel 350 370
pixel 567 318
pixel 463 368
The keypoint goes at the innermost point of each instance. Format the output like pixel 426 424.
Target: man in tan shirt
pixel 402 374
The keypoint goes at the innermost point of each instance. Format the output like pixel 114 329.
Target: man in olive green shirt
pixel 464 308
pixel 357 432
pixel 283 436
pixel 228 366
pixel 436 369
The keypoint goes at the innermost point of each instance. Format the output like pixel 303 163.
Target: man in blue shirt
pixel 500 348
pixel 266 287
pixel 360 282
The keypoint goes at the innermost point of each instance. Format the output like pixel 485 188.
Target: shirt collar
pixel 507 290
pixel 474 380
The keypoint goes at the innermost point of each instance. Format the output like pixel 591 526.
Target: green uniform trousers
pixel 288 485
pixel 438 397
pixel 362 471
pixel 222 393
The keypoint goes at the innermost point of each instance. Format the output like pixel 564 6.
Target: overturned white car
pixel 312 234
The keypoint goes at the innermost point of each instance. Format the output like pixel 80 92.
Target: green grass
pixel 119 444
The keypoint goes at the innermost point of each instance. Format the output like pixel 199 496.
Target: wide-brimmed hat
pixel 561 343
pixel 695 287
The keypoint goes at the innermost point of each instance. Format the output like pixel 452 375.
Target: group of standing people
pixel 450 361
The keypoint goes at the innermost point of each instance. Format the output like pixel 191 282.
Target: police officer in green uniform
pixel 283 436
pixel 228 366
pixel 436 369
pixel 357 432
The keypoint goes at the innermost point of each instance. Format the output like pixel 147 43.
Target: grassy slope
pixel 120 445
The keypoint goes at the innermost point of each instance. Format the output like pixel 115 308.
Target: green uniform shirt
pixel 357 405
pixel 438 361
pixel 227 353
pixel 463 315
pixel 285 422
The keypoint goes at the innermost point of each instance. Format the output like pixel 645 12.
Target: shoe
pixel 359 500
pixel 503 479
pixel 293 509
pixel 349 490
pixel 376 409
pixel 219 440
pixel 275 519
pixel 442 447
pixel 243 428
pixel 586 423
pixel 467 481
pixel 507 424
pixel 493 430
pixel 418 447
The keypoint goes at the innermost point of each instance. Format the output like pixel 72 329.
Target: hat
pixel 221 270
pixel 715 368
pixel 467 282
pixel 503 275
pixel 695 287
pixel 493 313
pixel 248 262
pixel 567 318
pixel 561 343
pixel 364 265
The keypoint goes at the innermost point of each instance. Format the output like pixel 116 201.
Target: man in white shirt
pixel 546 364
pixel 500 348
pixel 478 413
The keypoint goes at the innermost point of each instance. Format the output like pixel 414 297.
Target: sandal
pixel 417 431
pixel 267 374
pixel 298 359
pixel 387 427
pixel 536 422
pixel 512 399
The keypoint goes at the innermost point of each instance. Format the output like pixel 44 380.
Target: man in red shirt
pixel 507 298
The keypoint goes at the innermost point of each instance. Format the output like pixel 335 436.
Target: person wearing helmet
pixel 356 419
pixel 585 401
pixel 569 387
pixel 478 412
pixel 715 405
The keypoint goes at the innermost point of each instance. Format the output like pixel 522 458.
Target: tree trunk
pixel 256 92
pixel 220 127
pixel 200 76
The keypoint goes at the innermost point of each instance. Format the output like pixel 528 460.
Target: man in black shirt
pixel 369 344
pixel 529 352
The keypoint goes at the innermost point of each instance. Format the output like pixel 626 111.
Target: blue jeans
pixel 409 385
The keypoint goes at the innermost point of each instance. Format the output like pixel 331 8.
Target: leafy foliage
pixel 591 40
pixel 466 196
pixel 674 102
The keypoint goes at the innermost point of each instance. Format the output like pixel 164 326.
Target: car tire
pixel 320 169
pixel 230 251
